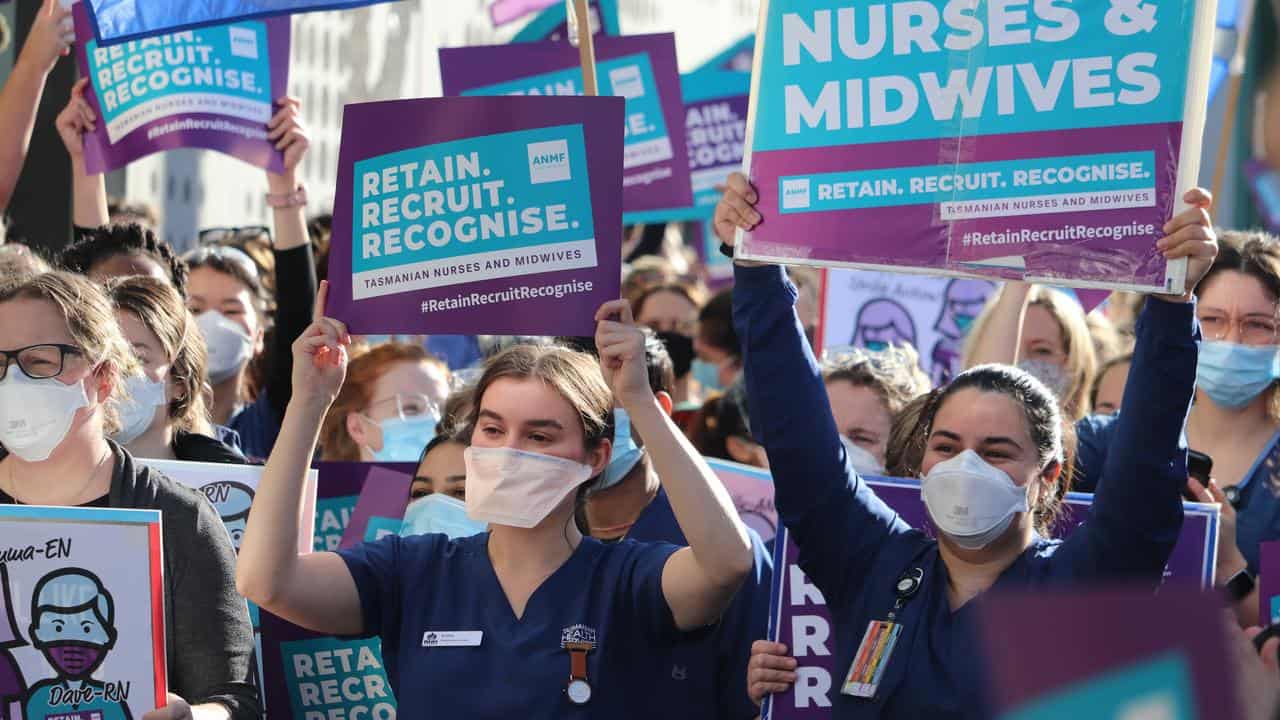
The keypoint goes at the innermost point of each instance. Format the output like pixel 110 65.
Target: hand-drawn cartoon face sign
pixel 232 501
pixel 72 622
pixel 962 302
pixel 882 323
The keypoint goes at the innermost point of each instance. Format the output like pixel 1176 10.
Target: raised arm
pixel 50 38
pixel 999 336
pixel 833 515
pixel 698 581
pixel 89 192
pixel 1137 507
pixel 314 590
pixel 295 264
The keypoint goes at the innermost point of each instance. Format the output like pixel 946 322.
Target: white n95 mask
pixel 863 461
pixel 518 488
pixel 971 501
pixel 36 415
pixel 229 346
pixel 137 409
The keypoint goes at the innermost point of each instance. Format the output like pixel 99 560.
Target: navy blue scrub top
pixel 427 583
pixel 1258 515
pixel 705 675
pixel 854 547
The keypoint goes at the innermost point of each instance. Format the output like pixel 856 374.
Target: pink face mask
pixel 73 659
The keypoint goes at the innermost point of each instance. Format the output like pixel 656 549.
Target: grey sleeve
pixel 211 651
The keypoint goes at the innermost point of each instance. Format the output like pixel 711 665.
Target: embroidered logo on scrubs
pixel 679 672
pixel 577 634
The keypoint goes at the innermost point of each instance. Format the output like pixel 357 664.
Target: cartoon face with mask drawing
pixel 73 626
pixel 962 302
pixel 232 501
pixel 881 323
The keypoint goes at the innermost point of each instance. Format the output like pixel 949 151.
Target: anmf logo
pixel 549 162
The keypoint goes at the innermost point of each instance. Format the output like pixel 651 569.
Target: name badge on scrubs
pixel 872 658
pixel 877 644
pixel 452 638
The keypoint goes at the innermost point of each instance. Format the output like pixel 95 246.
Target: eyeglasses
pixel 234 236
pixel 1251 329
pixel 38 362
pixel 410 405
pixel 226 253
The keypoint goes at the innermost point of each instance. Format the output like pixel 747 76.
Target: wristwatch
pixel 1239 586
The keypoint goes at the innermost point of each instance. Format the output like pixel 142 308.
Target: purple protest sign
pixel 212 88
pixel 296 662
pixel 502 12
pixel 1269 582
pixel 797 603
pixel 1116 654
pixel 752 492
pixel 640 68
pixel 379 510
pixel 493 215
pixel 1058 155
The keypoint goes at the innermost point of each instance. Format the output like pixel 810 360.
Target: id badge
pixel 872 658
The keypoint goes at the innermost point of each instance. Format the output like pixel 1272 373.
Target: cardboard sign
pixel 477 215
pixel 553 23
pixel 81 613
pixel 115 21
pixel 212 88
pixel 639 68
pixel 1051 142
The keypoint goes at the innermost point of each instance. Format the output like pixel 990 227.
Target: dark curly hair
pixel 100 244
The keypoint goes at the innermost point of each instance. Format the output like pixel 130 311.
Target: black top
pixel 207 628
pixel 194 447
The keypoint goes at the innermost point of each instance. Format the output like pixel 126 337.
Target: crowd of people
pixel 564 481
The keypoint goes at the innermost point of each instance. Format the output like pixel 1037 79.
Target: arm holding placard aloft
pixel 835 518
pixel 88 192
pixel 997 337
pixel 315 590
pixel 50 38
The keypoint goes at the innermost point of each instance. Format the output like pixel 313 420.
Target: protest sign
pixel 81 613
pixel 639 68
pixel 796 603
pixel 752 491
pixel 212 88
pixel 1052 141
pixel 231 489
pixel 553 23
pixel 715 123
pixel 873 310
pixel 115 21
pixel 318 676
pixel 1116 654
pixel 1269 582
pixel 477 215
pixel 502 12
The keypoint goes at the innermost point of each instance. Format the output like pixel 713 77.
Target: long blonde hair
pixel 91 322
pixel 1082 360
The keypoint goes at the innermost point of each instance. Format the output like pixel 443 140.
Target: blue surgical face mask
pixel 404 438
pixel 438 513
pixel 625 452
pixel 707 374
pixel 1233 375
pixel 876 345
pixel 963 322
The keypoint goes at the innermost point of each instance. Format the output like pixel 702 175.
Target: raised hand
pixel 320 356
pixel 50 38
pixel 736 209
pixel 621 346
pixel 76 119
pixel 1190 235
pixel 286 130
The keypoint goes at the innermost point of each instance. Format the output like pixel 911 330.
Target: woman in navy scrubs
pixel 990 476
pixel 531 618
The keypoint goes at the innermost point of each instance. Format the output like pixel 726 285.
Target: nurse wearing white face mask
pixel 991 482
pixel 163 413
pixel 62 363
pixel 867 389
pixel 530 619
